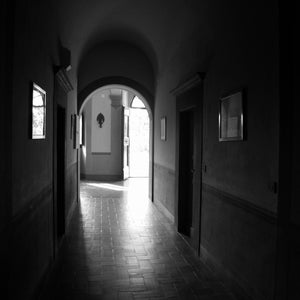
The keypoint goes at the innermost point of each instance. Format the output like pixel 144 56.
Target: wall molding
pixel 71 164
pixel 33 205
pixel 101 153
pixel 161 167
pixel 225 276
pixel 240 203
pixel 18 230
pixel 164 210
pixel 188 84
pixel 96 177
pixel 70 215
pixel 170 174
pixel 64 80
pixel 29 209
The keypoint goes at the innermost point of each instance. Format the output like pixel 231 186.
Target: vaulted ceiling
pixel 161 28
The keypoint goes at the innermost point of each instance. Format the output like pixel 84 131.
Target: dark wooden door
pixel 189 164
pixel 61 121
pixel 186 172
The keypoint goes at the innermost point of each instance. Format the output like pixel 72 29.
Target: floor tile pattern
pixel 120 246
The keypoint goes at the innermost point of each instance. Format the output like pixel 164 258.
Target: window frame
pixel 132 107
pixel 36 87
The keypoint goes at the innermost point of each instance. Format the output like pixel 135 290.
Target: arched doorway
pixel 120 98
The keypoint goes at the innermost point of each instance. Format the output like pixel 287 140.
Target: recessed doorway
pixel 60 167
pixel 189 164
pixel 186 172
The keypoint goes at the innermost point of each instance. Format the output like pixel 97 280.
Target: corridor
pixel 220 146
pixel 119 246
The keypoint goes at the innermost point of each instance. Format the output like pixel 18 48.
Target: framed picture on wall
pixel 38 113
pixel 231 117
pixel 76 126
pixel 163 128
pixel 72 127
pixel 81 130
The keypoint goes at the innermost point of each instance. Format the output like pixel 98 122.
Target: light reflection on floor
pixel 108 186
pixel 119 246
pixel 133 192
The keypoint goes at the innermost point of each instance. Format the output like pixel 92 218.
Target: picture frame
pixel 163 128
pixel 76 127
pixel 72 127
pixel 38 112
pixel 81 130
pixel 231 117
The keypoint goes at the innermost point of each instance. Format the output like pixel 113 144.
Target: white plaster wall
pixel 108 162
pixel 101 136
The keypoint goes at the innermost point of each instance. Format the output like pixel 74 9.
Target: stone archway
pixel 124 84
pixel 115 80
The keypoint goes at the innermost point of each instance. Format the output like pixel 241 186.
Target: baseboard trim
pixel 238 288
pixel 164 210
pixel 44 281
pixel 93 177
pixel 70 214
pixel 241 203
pixel 32 206
pixel 163 168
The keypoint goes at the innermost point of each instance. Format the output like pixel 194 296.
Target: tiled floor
pixel 121 247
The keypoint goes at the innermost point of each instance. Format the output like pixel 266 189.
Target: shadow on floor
pixel 119 246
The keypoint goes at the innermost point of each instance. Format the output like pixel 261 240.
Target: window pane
pixel 38 115
pixel 37 99
pixel 137 103
pixel 38 112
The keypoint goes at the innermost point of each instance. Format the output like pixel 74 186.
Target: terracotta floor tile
pixel 119 246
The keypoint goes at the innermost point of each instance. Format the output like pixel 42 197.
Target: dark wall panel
pixel 71 190
pixel 242 240
pixel 33 53
pixel 164 191
pixel 31 246
pixel 6 54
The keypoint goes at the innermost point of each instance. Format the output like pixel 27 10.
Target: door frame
pixel 60 179
pixel 150 151
pixel 125 140
pixel 189 96
pixel 59 100
pixel 182 169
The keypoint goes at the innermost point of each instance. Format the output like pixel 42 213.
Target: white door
pixel 126 142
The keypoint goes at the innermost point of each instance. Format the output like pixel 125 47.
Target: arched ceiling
pixel 158 27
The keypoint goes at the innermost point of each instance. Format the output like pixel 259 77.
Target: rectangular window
pixel 38 112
